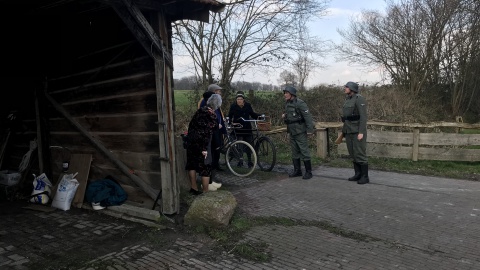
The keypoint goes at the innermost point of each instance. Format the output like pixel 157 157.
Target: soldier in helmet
pixel 355 131
pixel 299 124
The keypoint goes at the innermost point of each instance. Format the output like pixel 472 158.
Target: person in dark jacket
pixel 355 131
pixel 299 126
pixel 242 109
pixel 199 151
pixel 220 131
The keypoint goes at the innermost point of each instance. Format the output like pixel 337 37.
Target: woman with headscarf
pixel 199 152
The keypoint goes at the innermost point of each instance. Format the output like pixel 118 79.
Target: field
pixel 185 103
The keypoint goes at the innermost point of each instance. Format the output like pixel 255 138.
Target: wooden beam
pixel 416 143
pixel 410 125
pixel 120 165
pixel 322 142
pixel 141 29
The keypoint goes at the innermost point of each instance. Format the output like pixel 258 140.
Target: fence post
pixel 416 142
pixel 322 142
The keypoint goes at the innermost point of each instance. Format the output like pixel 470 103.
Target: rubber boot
pixel 364 171
pixel 358 174
pixel 308 169
pixel 296 168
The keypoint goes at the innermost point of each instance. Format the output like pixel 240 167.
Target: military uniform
pixel 299 124
pixel 354 122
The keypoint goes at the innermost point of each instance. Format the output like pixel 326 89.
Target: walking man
pixel 355 131
pixel 299 126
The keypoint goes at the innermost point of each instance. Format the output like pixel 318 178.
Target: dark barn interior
pixel 88 77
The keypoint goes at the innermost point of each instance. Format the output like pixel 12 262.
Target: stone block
pixel 212 209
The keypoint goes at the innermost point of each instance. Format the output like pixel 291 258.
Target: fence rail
pixel 413 145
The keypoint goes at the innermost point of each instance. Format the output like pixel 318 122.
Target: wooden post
pixel 416 142
pixel 322 142
pixel 251 94
pixel 166 137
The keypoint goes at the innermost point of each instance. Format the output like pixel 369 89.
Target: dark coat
pixel 106 192
pixel 236 112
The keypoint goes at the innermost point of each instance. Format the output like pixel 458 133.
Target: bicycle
pixel 236 153
pixel 264 147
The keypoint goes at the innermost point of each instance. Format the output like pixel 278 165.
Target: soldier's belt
pixel 288 122
pixel 350 118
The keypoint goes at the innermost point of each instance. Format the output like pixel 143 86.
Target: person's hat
pixel 213 88
pixel 352 86
pixel 240 94
pixel 290 89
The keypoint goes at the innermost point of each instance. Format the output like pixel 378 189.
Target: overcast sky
pixel 339 14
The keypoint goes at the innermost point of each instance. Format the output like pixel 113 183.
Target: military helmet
pixel 290 89
pixel 352 86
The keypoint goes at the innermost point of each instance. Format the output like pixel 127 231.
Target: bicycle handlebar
pixel 261 118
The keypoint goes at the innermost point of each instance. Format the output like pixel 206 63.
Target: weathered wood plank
pixel 130 142
pixel 151 178
pixel 80 163
pixel 115 86
pixel 101 74
pixel 135 103
pixel 375 136
pixel 449 154
pixel 381 150
pixel 449 139
pixel 140 122
pixel 411 125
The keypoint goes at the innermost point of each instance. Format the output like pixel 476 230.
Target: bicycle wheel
pixel 237 158
pixel 266 154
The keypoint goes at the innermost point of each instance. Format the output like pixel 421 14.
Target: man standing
pixel 355 131
pixel 299 125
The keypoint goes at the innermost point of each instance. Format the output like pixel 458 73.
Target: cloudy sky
pixel 340 12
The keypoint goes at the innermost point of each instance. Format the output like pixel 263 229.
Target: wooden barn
pixel 93 78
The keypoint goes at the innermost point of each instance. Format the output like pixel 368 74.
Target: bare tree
pixel 302 66
pixel 287 78
pixel 425 46
pixel 459 71
pixel 404 41
pixel 258 34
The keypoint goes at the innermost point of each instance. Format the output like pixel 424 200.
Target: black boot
pixel 358 174
pixel 308 169
pixel 296 168
pixel 364 171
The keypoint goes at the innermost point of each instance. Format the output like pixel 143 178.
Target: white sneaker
pixel 97 206
pixel 217 185
pixel 211 187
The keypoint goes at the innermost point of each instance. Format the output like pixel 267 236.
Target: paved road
pixel 398 221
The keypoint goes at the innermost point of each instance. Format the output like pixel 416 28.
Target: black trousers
pixel 216 143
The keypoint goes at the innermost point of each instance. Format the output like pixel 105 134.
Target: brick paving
pixel 398 221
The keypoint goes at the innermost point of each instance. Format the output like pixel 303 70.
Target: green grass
pixel 470 131
pixel 450 169
pixel 182 99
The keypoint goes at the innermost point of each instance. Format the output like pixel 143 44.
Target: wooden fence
pixel 414 145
